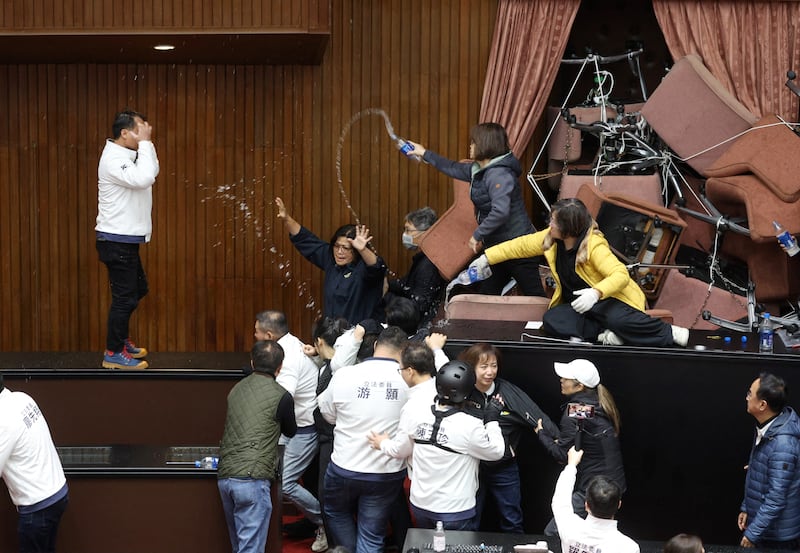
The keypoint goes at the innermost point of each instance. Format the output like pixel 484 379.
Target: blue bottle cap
pixel 744 339
pixel 727 339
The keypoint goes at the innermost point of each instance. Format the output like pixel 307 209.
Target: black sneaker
pixel 300 529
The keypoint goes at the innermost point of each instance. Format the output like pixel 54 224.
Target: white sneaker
pixel 680 335
pixel 320 542
pixel 608 338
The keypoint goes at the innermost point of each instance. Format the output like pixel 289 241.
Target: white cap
pixel 581 370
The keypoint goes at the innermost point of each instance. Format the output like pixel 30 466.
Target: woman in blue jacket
pixel 354 274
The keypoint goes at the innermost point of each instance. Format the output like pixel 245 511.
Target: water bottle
pixel 650 253
pixel 406 148
pixel 786 240
pixel 208 463
pixel 765 335
pixel 439 542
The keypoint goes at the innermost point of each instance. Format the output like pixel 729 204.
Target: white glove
pixel 481 266
pixel 585 299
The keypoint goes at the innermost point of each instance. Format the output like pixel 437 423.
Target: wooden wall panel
pixel 230 138
pixel 148 14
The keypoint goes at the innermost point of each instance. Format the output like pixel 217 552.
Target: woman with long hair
pixel 591 422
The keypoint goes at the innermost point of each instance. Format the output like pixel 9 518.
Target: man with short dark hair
pixel 126 174
pixel 360 481
pixel 770 512
pixel 31 469
pixel 299 377
pixel 598 532
pixel 446 445
pixel 259 411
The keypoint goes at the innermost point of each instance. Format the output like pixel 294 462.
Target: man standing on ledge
pixel 125 178
pixel 770 512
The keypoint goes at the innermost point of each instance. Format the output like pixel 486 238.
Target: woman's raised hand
pixel 362 237
pixel 281 208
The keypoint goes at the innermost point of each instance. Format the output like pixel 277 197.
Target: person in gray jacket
pixel 259 410
pixel 770 513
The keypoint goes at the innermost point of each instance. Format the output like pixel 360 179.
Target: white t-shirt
pixel 29 462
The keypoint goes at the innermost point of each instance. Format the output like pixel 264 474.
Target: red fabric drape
pixel 529 40
pixel 748 46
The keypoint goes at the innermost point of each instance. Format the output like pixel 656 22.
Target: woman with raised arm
pixel 354 274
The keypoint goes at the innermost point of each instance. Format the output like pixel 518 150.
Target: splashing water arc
pixel 340 146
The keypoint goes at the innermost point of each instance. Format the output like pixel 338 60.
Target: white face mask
pixel 408 241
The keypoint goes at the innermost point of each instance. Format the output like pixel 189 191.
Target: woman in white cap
pixel 594 428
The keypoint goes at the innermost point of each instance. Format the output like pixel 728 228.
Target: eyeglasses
pixel 401 369
pixel 342 247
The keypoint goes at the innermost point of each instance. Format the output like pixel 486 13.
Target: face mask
pixel 408 241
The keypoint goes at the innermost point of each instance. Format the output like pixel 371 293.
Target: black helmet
pixel 455 381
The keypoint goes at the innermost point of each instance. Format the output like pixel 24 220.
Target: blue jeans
pixel 37 530
pixel 248 508
pixel 298 453
pixel 370 502
pixel 128 285
pixel 503 485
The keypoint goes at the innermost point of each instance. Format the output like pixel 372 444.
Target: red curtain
pixel 747 45
pixel 529 41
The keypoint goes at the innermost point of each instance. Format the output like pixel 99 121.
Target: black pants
pixel 634 327
pixel 525 271
pixel 37 530
pixel 128 286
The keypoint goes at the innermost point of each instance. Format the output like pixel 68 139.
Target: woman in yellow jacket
pixel 595 298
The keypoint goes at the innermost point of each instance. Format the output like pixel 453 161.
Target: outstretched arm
pixel 291 225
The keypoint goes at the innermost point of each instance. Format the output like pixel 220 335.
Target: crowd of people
pixel 400 409
pixel 376 403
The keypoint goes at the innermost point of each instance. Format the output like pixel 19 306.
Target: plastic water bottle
pixel 406 148
pixel 208 463
pixel 786 240
pixel 468 276
pixel 765 335
pixel 439 541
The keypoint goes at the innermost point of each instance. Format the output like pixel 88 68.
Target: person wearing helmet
pixel 446 445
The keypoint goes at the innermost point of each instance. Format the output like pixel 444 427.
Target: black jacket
pixel 602 455
pixel 423 285
pixel 520 415
pixel 495 193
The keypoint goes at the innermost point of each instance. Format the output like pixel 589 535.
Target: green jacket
pixel 249 446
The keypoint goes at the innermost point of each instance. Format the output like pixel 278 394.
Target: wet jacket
pixel 602 454
pixel 596 264
pixel 352 291
pixel 495 193
pixel 519 415
pixel 772 487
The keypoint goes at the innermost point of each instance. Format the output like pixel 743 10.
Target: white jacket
pixel 360 398
pixel 593 535
pixel 445 476
pixel 125 181
pixel 29 462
